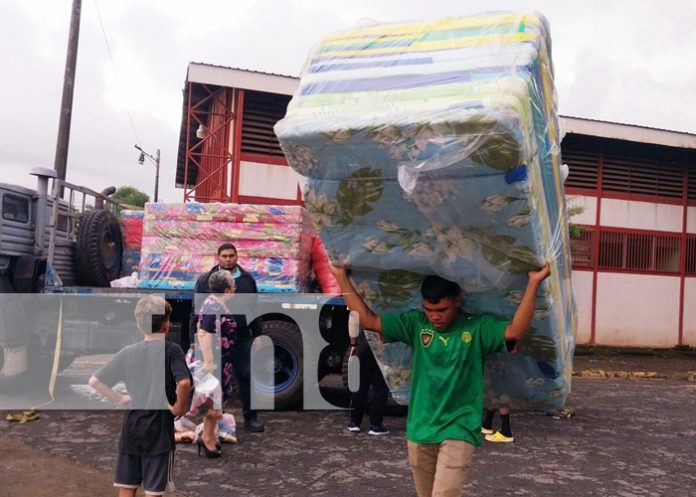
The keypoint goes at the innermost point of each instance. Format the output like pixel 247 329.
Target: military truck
pixel 65 239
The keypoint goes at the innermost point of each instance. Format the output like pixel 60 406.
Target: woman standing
pixel 216 317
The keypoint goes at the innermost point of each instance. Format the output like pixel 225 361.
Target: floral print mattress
pixel 433 147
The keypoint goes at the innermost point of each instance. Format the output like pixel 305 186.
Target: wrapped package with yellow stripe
pixel 433 147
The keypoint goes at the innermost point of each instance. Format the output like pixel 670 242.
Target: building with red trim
pixel 634 249
pixel 634 254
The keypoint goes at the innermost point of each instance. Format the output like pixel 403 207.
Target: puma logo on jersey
pixel 444 340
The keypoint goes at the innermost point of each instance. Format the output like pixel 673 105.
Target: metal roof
pixel 235 77
pixel 628 132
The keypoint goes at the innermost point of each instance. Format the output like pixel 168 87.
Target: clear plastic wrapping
pixel 180 243
pixel 433 147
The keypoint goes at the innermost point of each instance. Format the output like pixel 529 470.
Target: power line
pixel 113 66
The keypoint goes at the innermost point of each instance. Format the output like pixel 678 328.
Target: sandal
pixel 23 417
pixel 184 437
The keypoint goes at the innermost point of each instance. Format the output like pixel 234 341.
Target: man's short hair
pixel 220 281
pixel 226 246
pixel 435 288
pixel 151 314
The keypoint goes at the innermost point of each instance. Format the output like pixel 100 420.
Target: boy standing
pixel 158 383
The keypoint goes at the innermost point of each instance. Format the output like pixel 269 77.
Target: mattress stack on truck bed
pixel 180 242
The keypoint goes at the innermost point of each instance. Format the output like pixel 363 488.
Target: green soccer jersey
pixel 447 373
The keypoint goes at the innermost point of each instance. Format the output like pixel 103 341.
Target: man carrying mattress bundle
pixel 449 352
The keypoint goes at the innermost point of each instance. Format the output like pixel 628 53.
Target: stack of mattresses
pixel 132 231
pixel 433 147
pixel 180 242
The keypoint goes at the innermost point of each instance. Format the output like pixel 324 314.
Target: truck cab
pixel 25 237
pixel 40 248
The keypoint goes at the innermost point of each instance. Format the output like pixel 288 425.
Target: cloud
pixel 626 61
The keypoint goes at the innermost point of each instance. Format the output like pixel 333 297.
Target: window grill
pixel 261 112
pixel 630 251
pixel 691 255
pixel 582 246
pixel 582 166
pixel 692 183
pixel 641 177
pixel 631 175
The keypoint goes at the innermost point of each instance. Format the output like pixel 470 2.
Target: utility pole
pixel 61 159
pixel 157 164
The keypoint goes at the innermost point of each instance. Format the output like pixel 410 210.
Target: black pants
pixel 241 367
pixel 370 375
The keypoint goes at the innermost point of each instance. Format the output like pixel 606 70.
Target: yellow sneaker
pixel 487 431
pixel 499 437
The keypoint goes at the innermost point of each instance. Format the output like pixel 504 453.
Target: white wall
pixel 582 289
pixel 268 181
pixel 691 219
pixel 641 215
pixel 689 336
pixel 637 310
pixel 589 204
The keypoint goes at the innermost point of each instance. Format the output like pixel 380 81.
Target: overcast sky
pixel 627 61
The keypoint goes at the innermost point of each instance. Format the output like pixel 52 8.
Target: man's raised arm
pixel 522 319
pixel 368 319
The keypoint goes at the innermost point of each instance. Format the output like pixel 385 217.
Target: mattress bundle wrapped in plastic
pixel 433 147
pixel 132 231
pixel 180 242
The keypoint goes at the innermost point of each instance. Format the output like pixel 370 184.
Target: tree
pixel 131 196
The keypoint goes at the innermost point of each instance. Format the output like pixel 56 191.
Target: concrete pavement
pixel 629 438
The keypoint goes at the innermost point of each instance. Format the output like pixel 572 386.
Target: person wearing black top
pixel 370 375
pixel 240 353
pixel 146 447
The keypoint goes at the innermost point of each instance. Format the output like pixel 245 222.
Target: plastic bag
pixel 126 282
pixel 207 390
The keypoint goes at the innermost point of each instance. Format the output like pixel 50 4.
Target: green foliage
pixel 131 195
pixel 573 229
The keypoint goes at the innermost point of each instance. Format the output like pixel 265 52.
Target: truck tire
pixel 99 249
pixel 286 366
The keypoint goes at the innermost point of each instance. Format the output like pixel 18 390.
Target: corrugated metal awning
pixel 628 132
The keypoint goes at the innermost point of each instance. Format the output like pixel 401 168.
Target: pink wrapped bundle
pixel 246 248
pixel 275 266
pixel 217 230
pixel 180 242
pixel 217 212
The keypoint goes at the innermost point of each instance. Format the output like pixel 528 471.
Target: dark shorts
pixel 154 473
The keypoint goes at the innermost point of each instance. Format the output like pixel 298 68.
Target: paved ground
pixel 630 437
